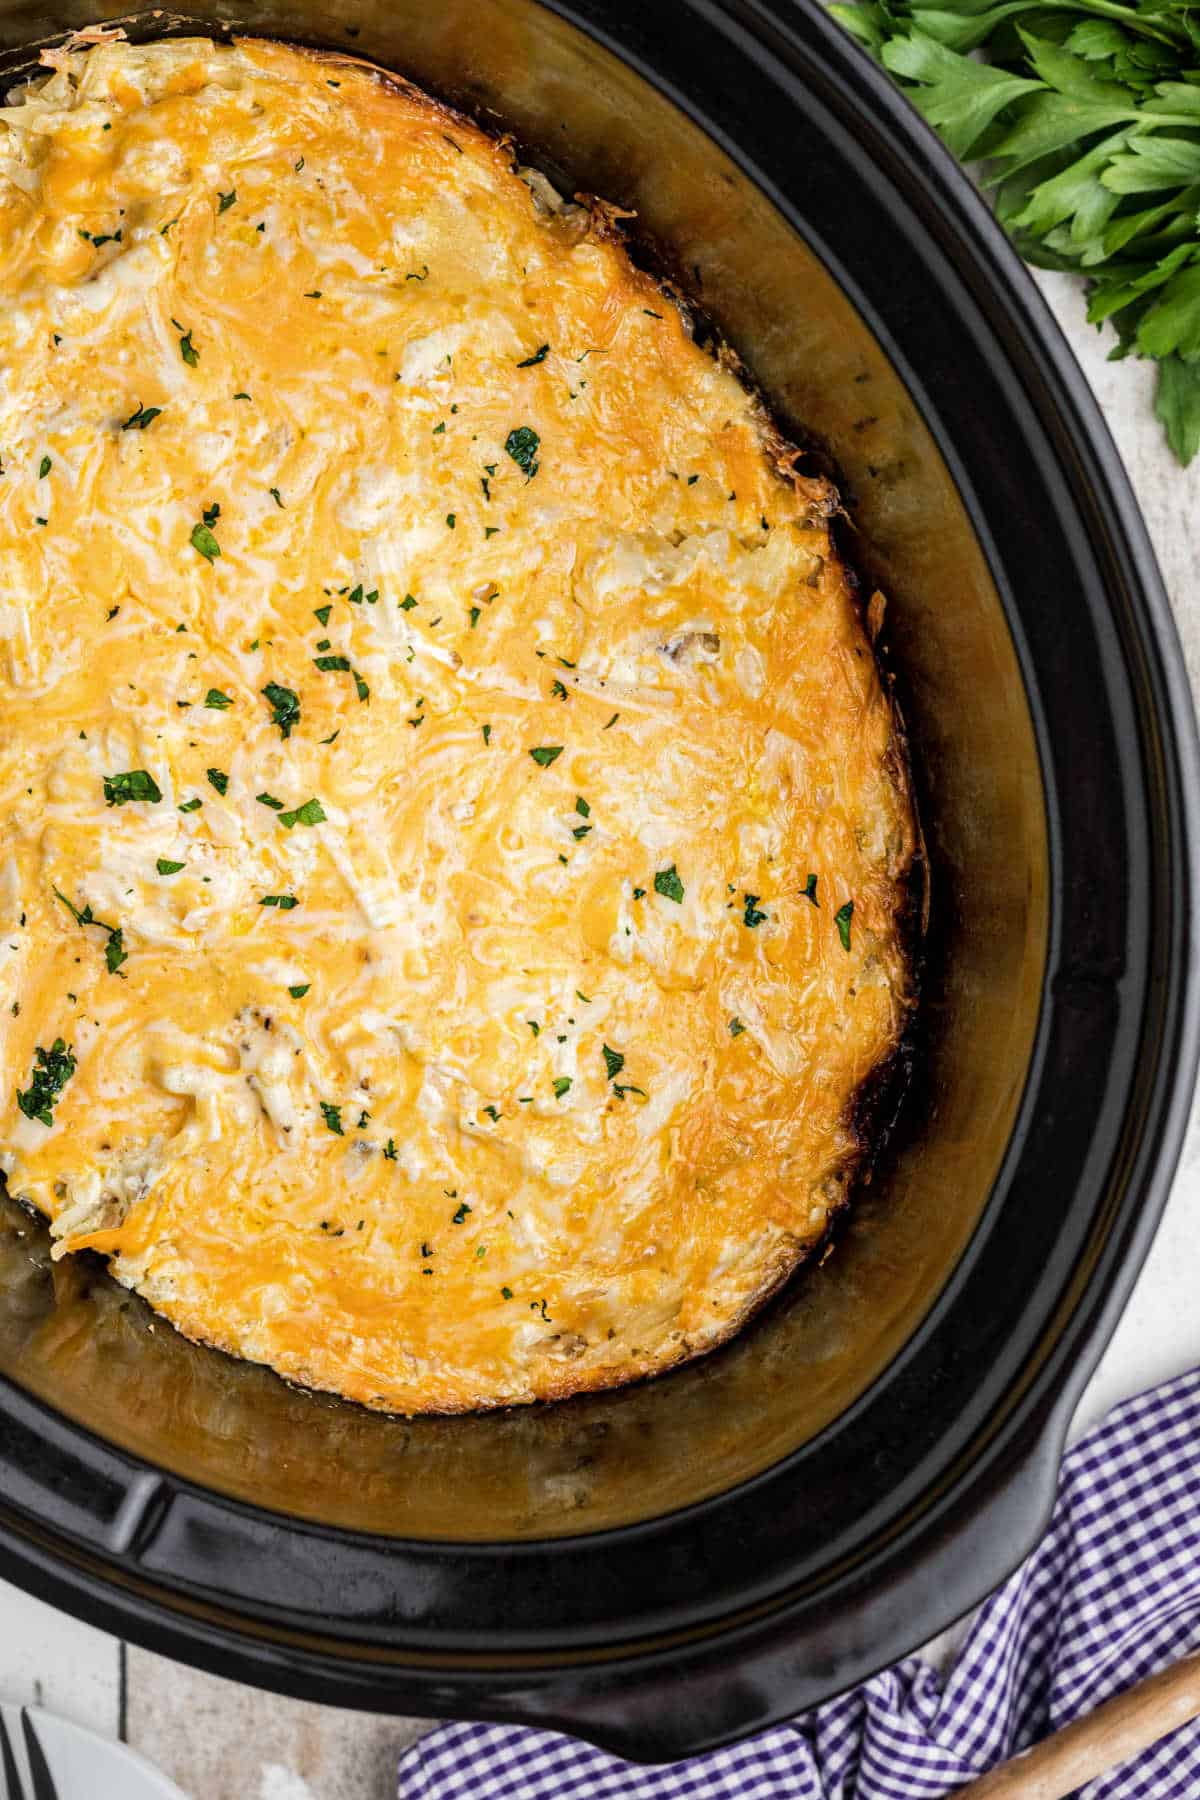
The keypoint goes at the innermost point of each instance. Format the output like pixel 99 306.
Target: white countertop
pixel 222 1741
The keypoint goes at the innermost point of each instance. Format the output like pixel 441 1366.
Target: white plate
pixel 84 1766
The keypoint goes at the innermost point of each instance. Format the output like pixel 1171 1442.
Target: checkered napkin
pixel 1111 1594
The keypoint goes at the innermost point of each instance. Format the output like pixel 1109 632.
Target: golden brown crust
pixel 678 940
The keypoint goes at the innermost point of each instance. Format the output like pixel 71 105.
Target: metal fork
pixel 39 1770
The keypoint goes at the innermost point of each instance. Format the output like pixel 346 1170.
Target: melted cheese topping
pixel 344 465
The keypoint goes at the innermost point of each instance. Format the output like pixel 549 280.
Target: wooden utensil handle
pixel 1096 1743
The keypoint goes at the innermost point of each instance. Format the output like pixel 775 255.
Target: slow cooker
pixel 671 1566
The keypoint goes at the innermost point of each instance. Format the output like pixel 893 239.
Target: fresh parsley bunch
pixel 1086 114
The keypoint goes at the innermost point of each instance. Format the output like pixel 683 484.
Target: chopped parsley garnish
pixel 667 883
pixel 140 417
pixel 423 276
pixel 133 784
pixel 487 733
pixel 522 444
pixel 753 915
pixel 650 313
pixel 334 664
pixel 52 1069
pixel 460 1216
pixel 193 805
pixel 614 1062
pixel 538 356
pixel 44 468
pixel 203 540
pixel 736 1027
pixel 285 707
pixel 389 1151
pixel 285 902
pixel 360 687
pixel 333 1118
pixel 544 754
pixel 452 520
pixel 534 1027
pixel 810 890
pixel 241 396
pixel 540 1306
pixel 439 429
pixel 506 1293
pixel 562 1085
pixel 165 866
pixel 311 813
pixel 219 779
pixel 621 1091
pixel 582 807
pixel 639 893
pixel 226 200
pixel 558 691
pixel 580 831
pixel 269 800
pixel 217 700
pixel 114 950
pixel 407 604
pixel 612 721
pixel 298 992
pixel 274 493
pixel 322 613
pixel 187 349
pixel 841 919
pixel 473 615
pixel 313 294
pixel 355 596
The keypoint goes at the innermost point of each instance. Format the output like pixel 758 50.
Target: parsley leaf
pixel 52 1069
pixel 285 902
pixel 538 356
pixel 226 200
pixel 311 813
pixel 736 1027
pixel 841 919
pixel 667 883
pixel 140 417
pixel 754 914
pixel 810 890
pixel 522 444
pixel 285 707
pixel 114 950
pixel 1087 126
pixel 333 1118
pixel 165 866
pixel 203 540
pixel 134 784
pixel 562 1085
pixel 544 754
pixel 614 1062
pixel 219 779
pixel 298 992
pixel 217 700
pixel 187 349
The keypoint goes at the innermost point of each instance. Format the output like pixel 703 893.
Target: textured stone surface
pixel 221 1741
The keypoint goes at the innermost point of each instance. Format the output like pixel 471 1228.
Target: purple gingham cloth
pixel 1111 1594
